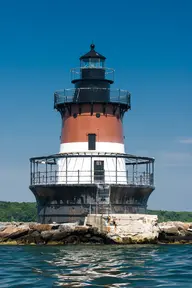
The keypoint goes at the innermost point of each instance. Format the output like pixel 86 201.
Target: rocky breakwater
pixel 49 234
pixel 100 229
pixel 175 232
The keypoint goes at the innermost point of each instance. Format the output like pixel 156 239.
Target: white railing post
pixel 66 170
pixel 136 172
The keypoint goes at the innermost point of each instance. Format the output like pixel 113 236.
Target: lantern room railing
pixel 76 73
pixel 70 95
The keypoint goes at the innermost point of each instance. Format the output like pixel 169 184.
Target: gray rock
pixel 47 235
pixel 13 232
pixel 34 237
pixel 2 228
pixel 59 235
pixel 174 228
pixel 81 230
pixel 55 226
pixel 96 239
pixel 66 228
pixel 18 234
pixel 72 239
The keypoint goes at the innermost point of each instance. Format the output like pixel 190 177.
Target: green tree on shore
pixel 14 211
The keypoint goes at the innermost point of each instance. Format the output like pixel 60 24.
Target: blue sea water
pixel 96 266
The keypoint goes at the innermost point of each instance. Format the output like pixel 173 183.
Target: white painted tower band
pixel 79 169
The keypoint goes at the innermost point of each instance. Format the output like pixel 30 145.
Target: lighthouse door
pixel 99 175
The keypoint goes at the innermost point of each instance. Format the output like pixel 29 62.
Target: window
pixel 92 63
pixel 91 141
pixel 99 173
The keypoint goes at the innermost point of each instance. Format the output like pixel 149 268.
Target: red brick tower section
pixel 77 128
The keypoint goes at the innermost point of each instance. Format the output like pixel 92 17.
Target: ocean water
pixel 96 266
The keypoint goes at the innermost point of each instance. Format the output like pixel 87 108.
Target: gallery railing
pixel 138 170
pixel 71 95
pixel 83 177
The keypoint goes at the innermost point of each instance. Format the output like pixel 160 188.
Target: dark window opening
pixel 91 141
pixel 99 174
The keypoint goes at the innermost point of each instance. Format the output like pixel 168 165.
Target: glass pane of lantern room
pixel 84 63
pixel 102 63
pixel 94 63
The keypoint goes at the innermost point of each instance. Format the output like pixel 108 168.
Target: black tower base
pixel 71 203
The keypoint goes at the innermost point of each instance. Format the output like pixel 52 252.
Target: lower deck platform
pixel 62 203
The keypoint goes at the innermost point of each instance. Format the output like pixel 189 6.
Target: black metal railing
pixel 86 177
pixel 76 73
pixel 71 95
pixel 47 170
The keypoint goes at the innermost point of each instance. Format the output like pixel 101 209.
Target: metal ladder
pixel 103 199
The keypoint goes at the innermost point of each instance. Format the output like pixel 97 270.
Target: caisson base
pixel 71 203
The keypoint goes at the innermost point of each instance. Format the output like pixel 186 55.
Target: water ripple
pixel 96 266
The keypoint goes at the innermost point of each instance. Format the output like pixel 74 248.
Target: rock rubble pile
pixel 16 233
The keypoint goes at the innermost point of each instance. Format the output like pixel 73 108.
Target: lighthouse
pixel 92 173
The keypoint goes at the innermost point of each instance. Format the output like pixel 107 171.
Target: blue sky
pixel 149 44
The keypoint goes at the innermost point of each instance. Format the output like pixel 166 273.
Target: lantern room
pixel 92 59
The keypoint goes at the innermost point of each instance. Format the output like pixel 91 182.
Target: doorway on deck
pixel 99 172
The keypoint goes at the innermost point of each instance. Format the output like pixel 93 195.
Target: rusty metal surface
pixel 71 203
